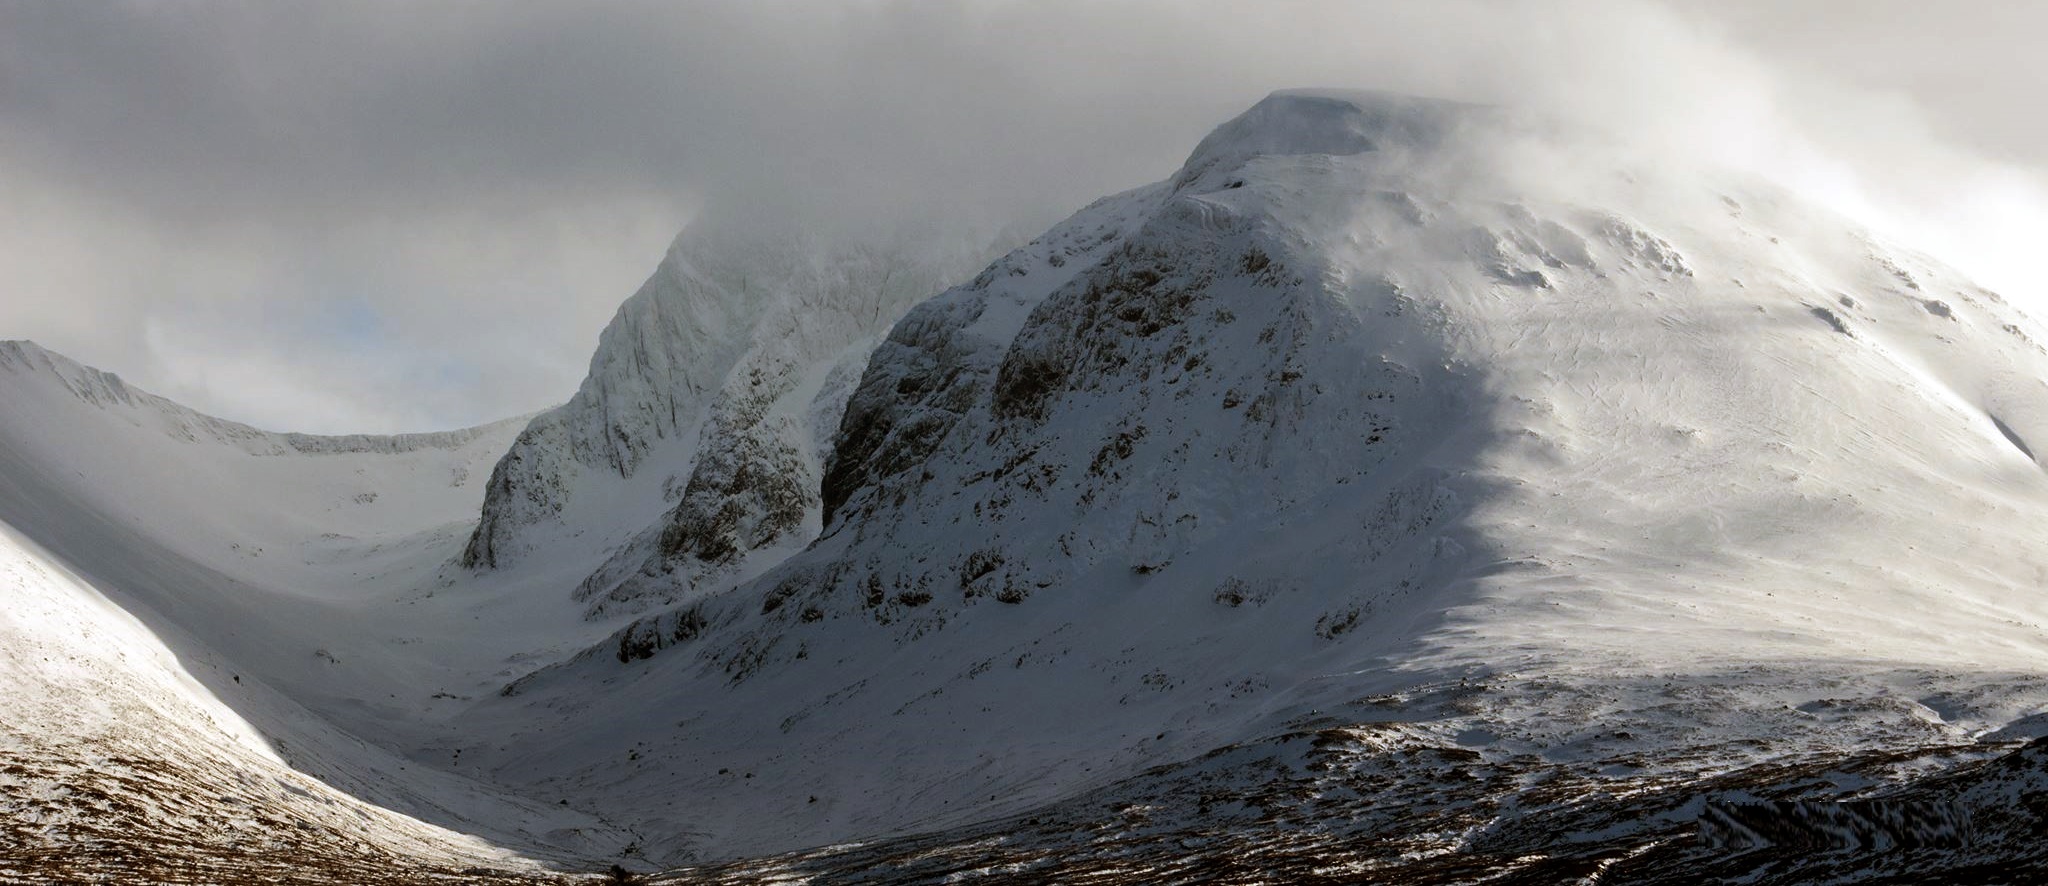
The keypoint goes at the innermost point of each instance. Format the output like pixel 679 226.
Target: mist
pixel 383 216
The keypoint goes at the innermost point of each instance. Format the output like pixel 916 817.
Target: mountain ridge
pixel 108 390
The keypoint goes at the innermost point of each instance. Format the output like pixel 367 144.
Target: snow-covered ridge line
pixel 108 391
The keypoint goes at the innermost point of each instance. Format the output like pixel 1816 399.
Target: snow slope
pixel 107 739
pixel 1371 391
pixel 174 566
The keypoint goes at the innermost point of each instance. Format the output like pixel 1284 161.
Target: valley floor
pixel 1359 802
pixel 1354 794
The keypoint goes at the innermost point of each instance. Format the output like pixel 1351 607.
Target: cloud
pixel 386 216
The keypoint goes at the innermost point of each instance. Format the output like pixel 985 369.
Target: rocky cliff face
pixel 694 370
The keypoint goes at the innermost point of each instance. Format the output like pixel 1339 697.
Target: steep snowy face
pixel 735 321
pixel 667 347
pixel 1199 369
pixel 1373 387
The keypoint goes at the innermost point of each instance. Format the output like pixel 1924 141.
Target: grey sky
pixel 394 216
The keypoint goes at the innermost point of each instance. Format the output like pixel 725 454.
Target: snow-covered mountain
pixel 1363 395
pixel 1393 461
pixel 694 439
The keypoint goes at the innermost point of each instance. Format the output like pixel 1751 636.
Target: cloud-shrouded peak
pixel 1328 121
